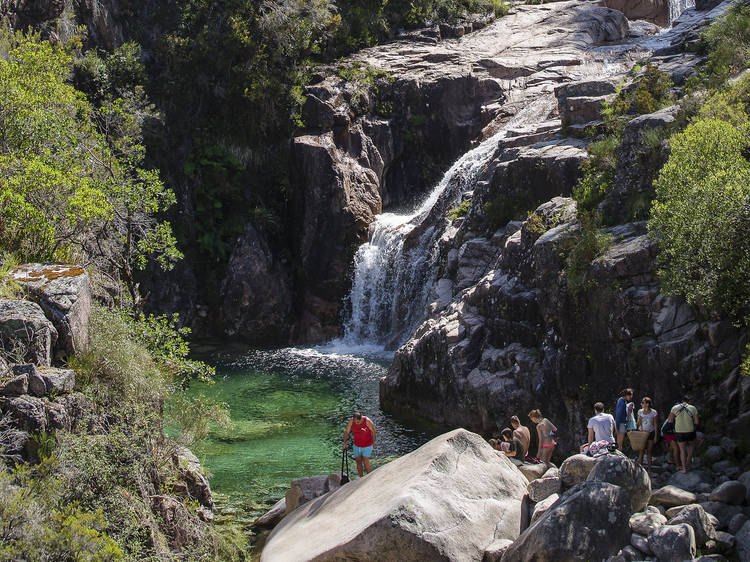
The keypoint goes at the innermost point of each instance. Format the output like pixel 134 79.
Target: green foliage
pixel 598 173
pixel 194 414
pixel 701 218
pixel 460 210
pixel 731 103
pixel 70 174
pixel 9 288
pixel 35 525
pixel 745 365
pixel 650 92
pixel 727 41
pixel 591 243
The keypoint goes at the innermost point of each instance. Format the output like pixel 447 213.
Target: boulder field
pixel 456 498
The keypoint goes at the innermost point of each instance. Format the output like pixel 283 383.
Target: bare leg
pixel 683 455
pixel 674 453
pixel 640 456
pixel 546 455
pixel 690 450
pixel 620 440
pixel 367 464
pixel 650 448
pixel 359 466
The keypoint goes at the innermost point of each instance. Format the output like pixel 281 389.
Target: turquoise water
pixel 289 409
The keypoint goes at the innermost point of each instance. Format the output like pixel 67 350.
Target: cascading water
pixel 676 7
pixel 392 281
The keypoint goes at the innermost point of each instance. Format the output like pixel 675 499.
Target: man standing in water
pixel 363 431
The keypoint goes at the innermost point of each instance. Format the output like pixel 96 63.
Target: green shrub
pixel 598 173
pixel 727 41
pixel 590 244
pixel 701 219
pixel 460 210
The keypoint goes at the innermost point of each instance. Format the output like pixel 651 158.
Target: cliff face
pixel 507 328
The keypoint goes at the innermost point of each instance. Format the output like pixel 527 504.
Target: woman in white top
pixel 648 420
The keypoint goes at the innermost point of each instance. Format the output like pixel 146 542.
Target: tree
pixel 71 181
pixel 701 217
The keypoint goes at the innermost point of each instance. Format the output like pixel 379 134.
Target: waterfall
pixel 676 7
pixel 394 270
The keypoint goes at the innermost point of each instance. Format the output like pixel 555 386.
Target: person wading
pixel 363 431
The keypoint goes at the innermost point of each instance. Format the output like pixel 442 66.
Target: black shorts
pixel 685 437
pixel 651 436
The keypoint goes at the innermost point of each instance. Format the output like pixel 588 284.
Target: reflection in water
pixel 289 409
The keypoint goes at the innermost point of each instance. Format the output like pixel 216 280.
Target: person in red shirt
pixel 363 431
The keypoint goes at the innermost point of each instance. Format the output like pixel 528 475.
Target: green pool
pixel 289 408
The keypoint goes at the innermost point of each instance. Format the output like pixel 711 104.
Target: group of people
pixel 679 430
pixel 515 442
pixel 605 433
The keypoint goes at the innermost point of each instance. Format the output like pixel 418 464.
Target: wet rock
pixel 576 469
pixel 26 332
pixel 627 474
pixel 645 522
pixel 64 293
pixel 670 496
pixel 673 543
pixel 417 508
pixel 590 517
pixel 731 492
pixel 542 488
pixel 304 490
pixel 695 516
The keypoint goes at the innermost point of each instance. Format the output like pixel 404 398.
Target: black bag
pixel 344 474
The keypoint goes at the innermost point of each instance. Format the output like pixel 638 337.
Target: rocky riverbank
pixel 456 498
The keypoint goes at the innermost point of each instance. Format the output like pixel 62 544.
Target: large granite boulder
pixel 671 496
pixel 731 492
pixel 591 517
pixel 192 473
pixel 576 468
pixel 64 293
pixel 25 333
pixel 627 474
pixel 654 11
pixel 449 499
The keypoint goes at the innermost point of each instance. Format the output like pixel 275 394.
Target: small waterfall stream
pixel 393 277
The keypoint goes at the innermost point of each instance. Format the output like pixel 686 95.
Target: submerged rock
pixel 449 499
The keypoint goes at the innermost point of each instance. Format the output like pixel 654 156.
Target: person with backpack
pixel 684 416
pixel 363 430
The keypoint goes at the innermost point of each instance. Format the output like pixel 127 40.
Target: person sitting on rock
pixel 364 440
pixel 546 432
pixel 601 427
pixel 514 447
pixel 648 420
pixel 521 432
pixel 621 415
pixel 685 419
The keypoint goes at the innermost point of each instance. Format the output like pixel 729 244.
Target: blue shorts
pixel 621 427
pixel 362 451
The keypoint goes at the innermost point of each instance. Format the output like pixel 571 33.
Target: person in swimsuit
pixel 521 432
pixel 514 447
pixel 546 432
pixel 363 430
pixel 648 420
